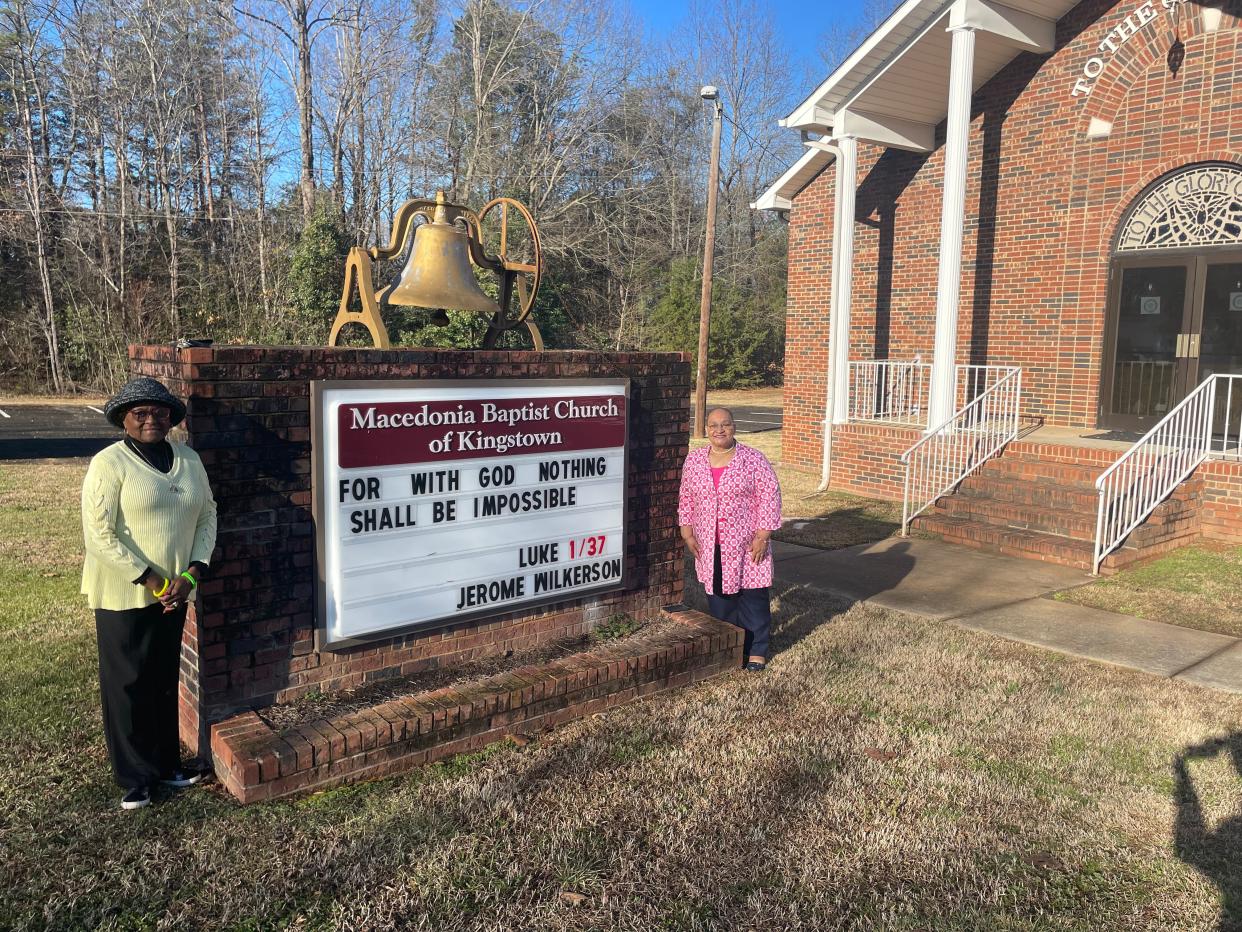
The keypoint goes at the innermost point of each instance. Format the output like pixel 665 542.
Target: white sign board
pixel 441 501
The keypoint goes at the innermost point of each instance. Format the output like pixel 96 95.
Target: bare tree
pixel 29 63
pixel 297 25
pixel 259 163
pixel 843 36
pixel 163 156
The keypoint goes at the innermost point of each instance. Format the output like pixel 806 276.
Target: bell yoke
pixel 439 273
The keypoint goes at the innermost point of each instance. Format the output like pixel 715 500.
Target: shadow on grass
pixel 810 593
pixel 797 617
pixel 1214 852
pixel 845 527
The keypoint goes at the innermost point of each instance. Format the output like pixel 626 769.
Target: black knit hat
pixel 142 390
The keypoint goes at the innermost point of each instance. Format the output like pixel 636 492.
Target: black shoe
pixel 182 778
pixel 755 666
pixel 136 798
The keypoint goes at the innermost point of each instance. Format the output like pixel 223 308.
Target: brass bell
pixel 438 274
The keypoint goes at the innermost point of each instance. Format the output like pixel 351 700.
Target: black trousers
pixel 139 662
pixel 748 609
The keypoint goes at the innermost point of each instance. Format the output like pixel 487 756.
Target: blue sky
pixel 800 23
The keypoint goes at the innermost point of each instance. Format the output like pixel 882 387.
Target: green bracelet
pixel 193 581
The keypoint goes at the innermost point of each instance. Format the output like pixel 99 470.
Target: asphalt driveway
pixel 53 431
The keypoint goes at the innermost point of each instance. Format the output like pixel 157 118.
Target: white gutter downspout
pixel 836 393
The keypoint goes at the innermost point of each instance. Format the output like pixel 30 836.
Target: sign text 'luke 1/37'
pixel 439 501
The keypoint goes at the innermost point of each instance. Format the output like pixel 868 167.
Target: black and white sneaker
pixel 136 798
pixel 182 778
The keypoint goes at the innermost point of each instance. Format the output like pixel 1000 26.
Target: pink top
pixel 747 499
pixel 716 471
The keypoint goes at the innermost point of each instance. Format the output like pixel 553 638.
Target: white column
pixel 952 210
pixel 825 461
pixel 842 275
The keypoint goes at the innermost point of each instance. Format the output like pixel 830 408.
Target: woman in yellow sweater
pixel 149 521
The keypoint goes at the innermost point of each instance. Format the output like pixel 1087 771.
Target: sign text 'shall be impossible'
pixel 437 502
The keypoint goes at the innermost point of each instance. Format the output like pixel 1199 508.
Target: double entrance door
pixel 1172 322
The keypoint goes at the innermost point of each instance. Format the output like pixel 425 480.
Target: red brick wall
pixel 866 459
pixel 806 322
pixel 1221 512
pixel 251 641
pixel 1042 206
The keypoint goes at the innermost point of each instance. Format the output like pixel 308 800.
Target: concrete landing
pixel 924 577
pixel 1008 597
pixel 1151 646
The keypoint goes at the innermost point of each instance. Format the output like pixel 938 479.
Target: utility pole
pixel 709 246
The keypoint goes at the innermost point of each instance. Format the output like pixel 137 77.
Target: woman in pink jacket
pixel 729 506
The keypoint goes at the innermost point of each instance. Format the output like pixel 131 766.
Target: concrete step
pixel 1048 493
pixel 1074 497
pixel 1029 467
pixel 1079 525
pixel 1174 515
pixel 1014 542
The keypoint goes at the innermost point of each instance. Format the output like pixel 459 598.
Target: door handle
pixel 1187 346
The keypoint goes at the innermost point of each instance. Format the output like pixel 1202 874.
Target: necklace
pixel 165 459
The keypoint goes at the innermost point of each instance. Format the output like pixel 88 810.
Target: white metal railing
pixel 975 433
pixel 1227 418
pixel 1200 426
pixel 1143 387
pixel 893 392
pixel 973 381
pixel 889 392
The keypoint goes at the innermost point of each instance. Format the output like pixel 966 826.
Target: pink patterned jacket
pixel 749 499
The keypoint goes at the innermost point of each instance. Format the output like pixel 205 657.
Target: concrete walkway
pixel 1008 597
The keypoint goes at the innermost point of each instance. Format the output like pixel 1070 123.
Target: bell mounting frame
pixel 515 276
pixel 518 280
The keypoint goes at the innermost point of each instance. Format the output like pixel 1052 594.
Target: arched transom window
pixel 1200 205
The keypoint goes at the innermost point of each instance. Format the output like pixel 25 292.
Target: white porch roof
pixel 893 90
pixel 796 177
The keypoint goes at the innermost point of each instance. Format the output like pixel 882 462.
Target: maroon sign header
pixel 394 433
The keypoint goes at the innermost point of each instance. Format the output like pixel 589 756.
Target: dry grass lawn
pixel 770 397
pixel 76 401
pixel 827 520
pixel 885 773
pixel 1196 587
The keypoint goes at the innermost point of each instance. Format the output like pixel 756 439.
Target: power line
pixel 738 126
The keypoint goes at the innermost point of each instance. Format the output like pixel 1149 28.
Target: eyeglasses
pixel 728 426
pixel 149 414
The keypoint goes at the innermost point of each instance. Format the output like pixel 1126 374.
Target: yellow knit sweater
pixel 134 516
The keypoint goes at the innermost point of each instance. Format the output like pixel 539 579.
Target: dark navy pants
pixel 749 609
pixel 139 663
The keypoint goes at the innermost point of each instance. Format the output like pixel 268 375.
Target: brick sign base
pixel 250 640
pixel 256 762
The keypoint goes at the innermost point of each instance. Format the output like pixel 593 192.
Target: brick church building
pixel 1015 274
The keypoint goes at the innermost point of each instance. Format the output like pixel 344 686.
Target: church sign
pixel 441 501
